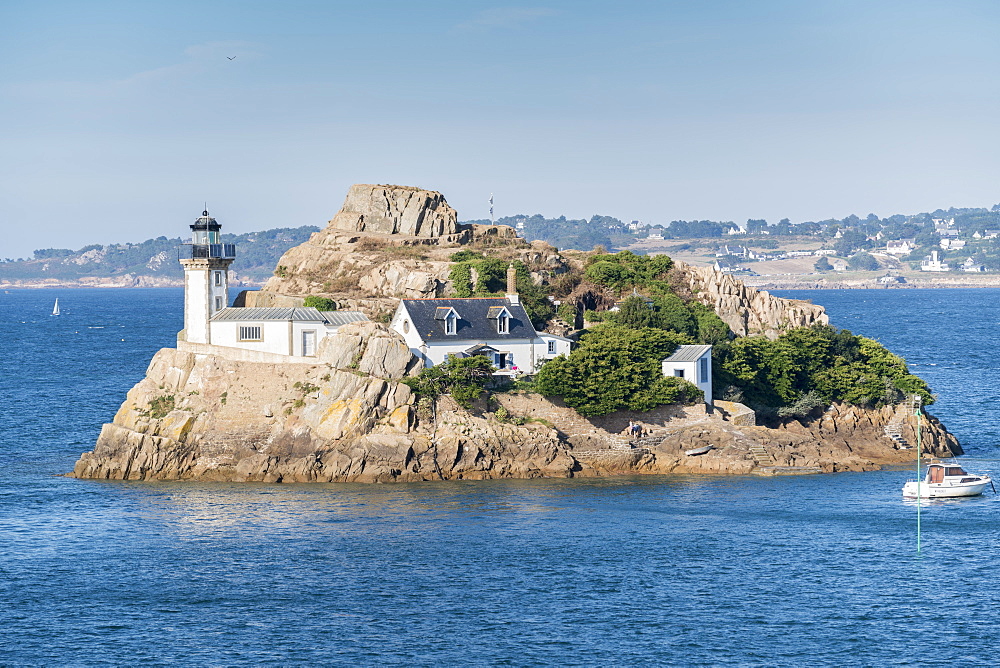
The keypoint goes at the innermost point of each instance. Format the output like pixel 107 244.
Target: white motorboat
pixel 946 481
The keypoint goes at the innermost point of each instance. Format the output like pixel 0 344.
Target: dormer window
pixel 502 316
pixel 450 318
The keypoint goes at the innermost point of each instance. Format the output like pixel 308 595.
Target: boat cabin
pixel 936 473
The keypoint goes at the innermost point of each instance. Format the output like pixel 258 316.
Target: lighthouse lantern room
pixel 206 278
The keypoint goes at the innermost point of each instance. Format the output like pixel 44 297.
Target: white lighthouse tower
pixel 206 278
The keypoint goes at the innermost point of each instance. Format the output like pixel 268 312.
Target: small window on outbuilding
pixel 703 370
pixel 552 347
pixel 679 373
pixel 251 333
pixel 406 327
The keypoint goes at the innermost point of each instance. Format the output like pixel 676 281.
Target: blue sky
pixel 119 119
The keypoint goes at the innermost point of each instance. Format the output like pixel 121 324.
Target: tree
pixel 462 377
pixel 862 262
pixel 617 368
pixel 830 364
pixel 823 264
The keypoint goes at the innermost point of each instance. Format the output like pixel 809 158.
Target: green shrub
pixel 461 279
pixel 464 378
pixel 321 303
pixel 617 368
pixel 567 313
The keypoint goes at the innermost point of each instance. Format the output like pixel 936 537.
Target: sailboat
pixel 55 307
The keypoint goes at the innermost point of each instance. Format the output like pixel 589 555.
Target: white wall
pixel 691 374
pixel 202 297
pixel 280 337
pixel 196 314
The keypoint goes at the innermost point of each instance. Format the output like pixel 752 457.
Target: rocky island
pixel 349 409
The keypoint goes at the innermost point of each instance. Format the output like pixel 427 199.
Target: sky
pixel 119 120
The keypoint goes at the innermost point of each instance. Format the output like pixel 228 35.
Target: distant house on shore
pixel 900 246
pixel 693 364
pixel 972 267
pixel 933 262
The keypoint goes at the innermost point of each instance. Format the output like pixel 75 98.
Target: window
pixel 552 347
pixel 503 324
pixel 406 327
pixel 679 373
pixel 218 303
pixel 451 324
pixel 252 333
pixel 703 370
pixel 503 360
pixel 218 278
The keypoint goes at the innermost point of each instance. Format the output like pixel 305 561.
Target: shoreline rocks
pixel 345 417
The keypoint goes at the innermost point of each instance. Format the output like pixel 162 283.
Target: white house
pixel 933 262
pixel 497 327
pixel 952 244
pixel 900 246
pixel 693 364
pixel 972 267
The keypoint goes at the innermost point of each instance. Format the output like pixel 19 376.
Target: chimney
pixel 512 285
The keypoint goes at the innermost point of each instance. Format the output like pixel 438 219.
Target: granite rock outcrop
pixel 747 311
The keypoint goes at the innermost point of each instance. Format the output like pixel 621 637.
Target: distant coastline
pixel 757 282
pixel 917 283
pixel 112 282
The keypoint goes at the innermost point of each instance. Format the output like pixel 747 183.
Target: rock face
pixel 748 311
pixel 388 243
pixel 346 417
pixel 396 210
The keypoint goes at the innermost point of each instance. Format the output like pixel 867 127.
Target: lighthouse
pixel 206 278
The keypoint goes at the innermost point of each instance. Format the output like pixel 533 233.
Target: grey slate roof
pixel 687 353
pixel 338 318
pixel 297 313
pixel 474 322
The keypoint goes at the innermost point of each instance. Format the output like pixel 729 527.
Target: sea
pixel 819 570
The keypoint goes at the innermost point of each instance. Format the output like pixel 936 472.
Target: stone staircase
pixel 761 456
pixel 894 430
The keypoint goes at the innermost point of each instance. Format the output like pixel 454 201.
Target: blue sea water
pixel 681 570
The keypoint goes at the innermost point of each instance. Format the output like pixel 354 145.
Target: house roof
pixel 688 353
pixel 480 349
pixel 474 321
pixel 295 313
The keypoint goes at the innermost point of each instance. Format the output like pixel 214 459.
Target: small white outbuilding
pixel 693 364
